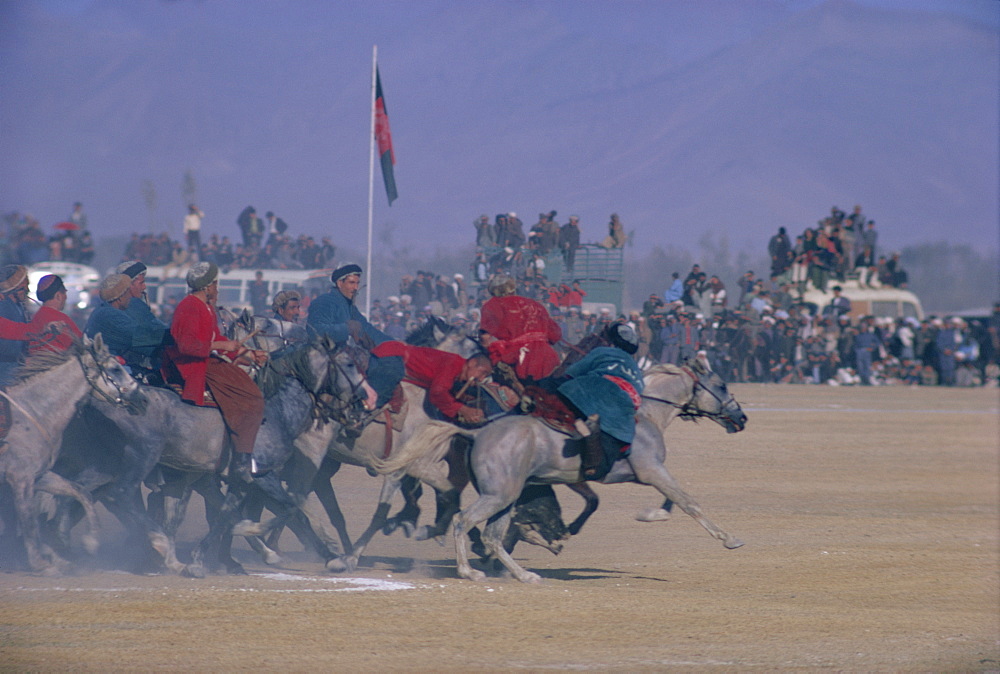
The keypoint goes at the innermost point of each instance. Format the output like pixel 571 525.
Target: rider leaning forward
pixel 200 357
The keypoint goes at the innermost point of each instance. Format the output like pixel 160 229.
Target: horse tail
pixel 430 442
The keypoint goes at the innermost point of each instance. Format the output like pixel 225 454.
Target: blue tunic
pixel 592 393
pixel 329 313
pixel 11 350
pixel 147 340
pixel 115 326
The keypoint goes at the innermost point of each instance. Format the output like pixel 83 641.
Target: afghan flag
pixel 384 139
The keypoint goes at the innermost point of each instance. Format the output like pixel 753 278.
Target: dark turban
pixel 346 270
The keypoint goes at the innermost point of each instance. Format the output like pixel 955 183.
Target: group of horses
pixel 83 430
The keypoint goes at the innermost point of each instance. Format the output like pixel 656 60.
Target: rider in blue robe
pixel 335 314
pixel 606 382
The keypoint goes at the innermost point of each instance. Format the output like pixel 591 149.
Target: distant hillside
pixel 840 104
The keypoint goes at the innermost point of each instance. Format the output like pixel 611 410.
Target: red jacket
pixel 526 334
pixel 61 342
pixel 430 369
pixel 194 327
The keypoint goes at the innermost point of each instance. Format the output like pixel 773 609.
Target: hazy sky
pixel 266 103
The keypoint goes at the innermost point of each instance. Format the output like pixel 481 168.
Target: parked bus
pixel 162 283
pixel 80 280
pixel 884 302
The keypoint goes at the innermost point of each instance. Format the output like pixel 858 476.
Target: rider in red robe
pixel 519 331
pixel 437 371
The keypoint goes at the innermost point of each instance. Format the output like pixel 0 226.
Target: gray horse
pixel 190 445
pixel 50 386
pixel 515 451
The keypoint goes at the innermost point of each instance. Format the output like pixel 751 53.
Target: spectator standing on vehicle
pixel 192 228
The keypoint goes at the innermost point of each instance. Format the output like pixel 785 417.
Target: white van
pixel 80 280
pixel 883 302
pixel 162 283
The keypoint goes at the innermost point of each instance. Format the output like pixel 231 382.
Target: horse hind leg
pixel 493 539
pixel 660 514
pixel 590 506
pixel 485 507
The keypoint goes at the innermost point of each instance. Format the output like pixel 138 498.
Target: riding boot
pixel 591 451
pixel 240 468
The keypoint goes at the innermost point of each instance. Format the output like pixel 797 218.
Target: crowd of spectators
pixel 265 244
pixel 22 240
pixel 840 246
pixel 758 331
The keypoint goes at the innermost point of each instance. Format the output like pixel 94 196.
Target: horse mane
pixel 46 360
pixel 664 368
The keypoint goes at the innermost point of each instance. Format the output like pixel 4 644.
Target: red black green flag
pixel 384 139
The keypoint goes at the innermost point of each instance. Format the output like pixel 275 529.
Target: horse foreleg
pixel 23 491
pixel 590 506
pixel 409 514
pixel 655 474
pixel 390 485
pixel 57 485
pixel 328 499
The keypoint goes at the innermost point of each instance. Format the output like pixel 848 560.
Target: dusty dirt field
pixel 871 523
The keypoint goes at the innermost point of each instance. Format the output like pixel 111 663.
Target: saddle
pixel 551 410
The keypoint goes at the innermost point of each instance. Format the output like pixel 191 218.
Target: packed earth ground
pixel 870 517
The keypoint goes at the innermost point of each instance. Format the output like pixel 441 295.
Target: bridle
pixel 102 374
pixel 687 410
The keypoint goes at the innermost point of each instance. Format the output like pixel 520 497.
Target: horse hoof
pixel 473 574
pixel 248 528
pixel 423 533
pixel 652 515
pixel 733 543
pixel 341 564
pixel 408 528
pixel 234 568
pixel 529 577
pixel 272 558
pixel 390 527
pixel 90 544
pixel 195 570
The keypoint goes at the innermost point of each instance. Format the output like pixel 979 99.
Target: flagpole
pixel 371 188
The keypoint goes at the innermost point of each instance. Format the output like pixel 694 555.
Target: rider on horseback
pixel 151 334
pixel 13 294
pixel 607 383
pixel 335 314
pixel 195 359
pixel 438 372
pixel 518 331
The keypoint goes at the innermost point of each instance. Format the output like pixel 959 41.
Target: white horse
pixel 515 451
pixel 43 402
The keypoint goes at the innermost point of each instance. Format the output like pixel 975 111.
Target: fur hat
pixel 201 275
pixel 283 298
pixel 114 287
pixel 11 276
pixel 501 285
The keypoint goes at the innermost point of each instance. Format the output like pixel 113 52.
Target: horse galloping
pixel 516 451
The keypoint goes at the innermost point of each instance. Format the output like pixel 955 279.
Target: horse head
pixel 110 379
pixel 344 380
pixel 712 398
